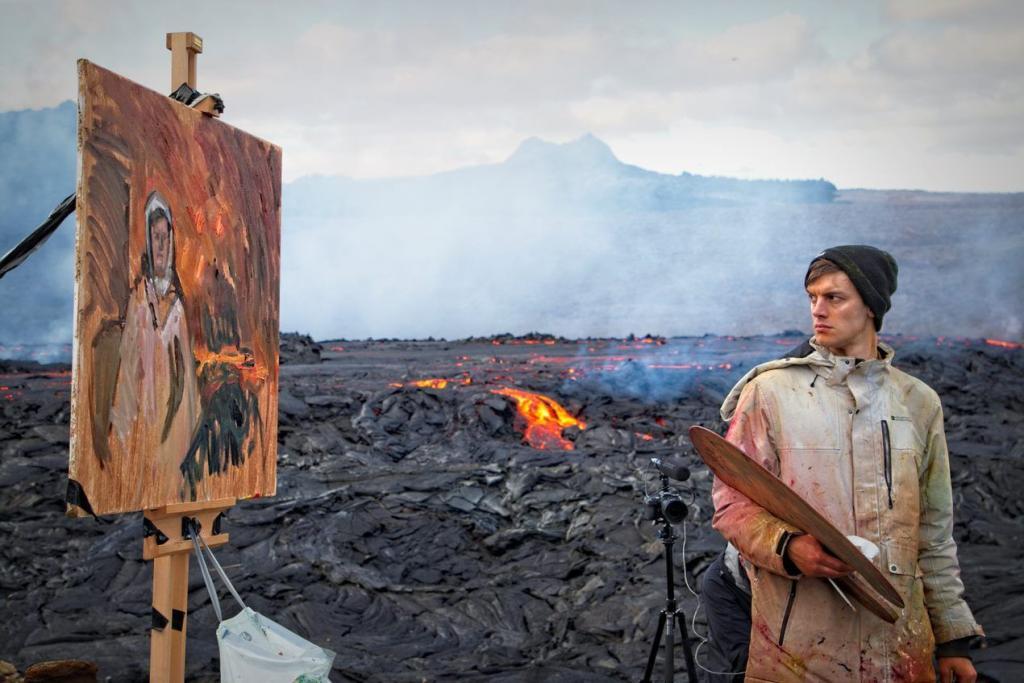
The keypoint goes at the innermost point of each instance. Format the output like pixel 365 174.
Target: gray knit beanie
pixel 872 271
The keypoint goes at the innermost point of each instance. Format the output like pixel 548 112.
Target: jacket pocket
pixel 905 434
pixel 901 558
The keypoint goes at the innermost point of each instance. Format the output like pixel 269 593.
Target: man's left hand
pixel 957 670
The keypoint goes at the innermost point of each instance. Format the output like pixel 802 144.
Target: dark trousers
pixel 728 612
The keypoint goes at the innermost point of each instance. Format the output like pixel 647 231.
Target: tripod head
pixel 666 505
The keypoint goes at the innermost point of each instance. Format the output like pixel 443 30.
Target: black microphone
pixel 672 467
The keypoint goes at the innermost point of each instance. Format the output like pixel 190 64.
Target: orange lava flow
pixel 545 419
pixel 521 342
pixel 431 383
pixel 1004 344
pixel 434 382
pixel 440 383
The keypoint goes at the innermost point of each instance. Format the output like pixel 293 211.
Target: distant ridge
pixel 582 174
pixel 587 149
pixel 558 236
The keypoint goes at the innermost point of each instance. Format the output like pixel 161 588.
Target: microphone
pixel 672 467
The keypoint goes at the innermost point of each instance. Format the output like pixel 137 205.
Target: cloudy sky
pixel 884 94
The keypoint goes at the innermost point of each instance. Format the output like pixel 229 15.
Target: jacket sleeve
pixel 759 535
pixel 950 616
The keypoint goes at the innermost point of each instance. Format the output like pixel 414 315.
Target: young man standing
pixel 864 443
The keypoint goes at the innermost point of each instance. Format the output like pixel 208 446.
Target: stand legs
pixel 655 644
pixel 678 621
pixel 668 620
pixel 691 666
pixel 170 602
pixel 670 647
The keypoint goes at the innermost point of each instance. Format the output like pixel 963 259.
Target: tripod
pixel 669 618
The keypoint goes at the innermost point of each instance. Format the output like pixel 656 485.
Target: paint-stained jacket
pixel 863 443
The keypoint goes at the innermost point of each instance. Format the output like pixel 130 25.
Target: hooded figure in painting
pixel 156 400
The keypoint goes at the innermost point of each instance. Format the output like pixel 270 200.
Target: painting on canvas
pixel 174 395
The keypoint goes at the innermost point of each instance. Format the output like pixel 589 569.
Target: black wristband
pixel 955 648
pixel 780 549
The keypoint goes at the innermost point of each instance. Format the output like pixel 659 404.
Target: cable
pixel 693 619
pixel 21 251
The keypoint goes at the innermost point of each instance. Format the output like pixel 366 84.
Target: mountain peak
pixel 587 149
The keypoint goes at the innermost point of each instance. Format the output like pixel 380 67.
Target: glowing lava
pixel 434 382
pixel 1003 344
pixel 524 342
pixel 545 419
pixel 439 383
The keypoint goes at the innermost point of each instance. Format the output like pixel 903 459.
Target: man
pixel 864 443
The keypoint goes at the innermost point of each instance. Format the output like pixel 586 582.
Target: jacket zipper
pixel 887 453
pixel 785 615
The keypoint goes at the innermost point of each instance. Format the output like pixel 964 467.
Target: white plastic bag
pixel 255 648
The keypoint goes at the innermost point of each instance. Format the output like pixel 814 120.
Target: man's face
pixel 161 236
pixel 841 318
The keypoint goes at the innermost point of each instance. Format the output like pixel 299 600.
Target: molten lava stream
pixel 1003 343
pixel 434 382
pixel 545 419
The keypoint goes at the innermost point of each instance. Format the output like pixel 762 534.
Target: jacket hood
pixel 810 354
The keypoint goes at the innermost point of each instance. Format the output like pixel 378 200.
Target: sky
pixel 915 94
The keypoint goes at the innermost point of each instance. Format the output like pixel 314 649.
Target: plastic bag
pixel 255 648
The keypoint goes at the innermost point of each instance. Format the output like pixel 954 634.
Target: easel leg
pixel 170 599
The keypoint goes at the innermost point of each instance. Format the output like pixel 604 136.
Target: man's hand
pixel 813 560
pixel 958 669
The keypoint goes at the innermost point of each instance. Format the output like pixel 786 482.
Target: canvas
pixel 174 394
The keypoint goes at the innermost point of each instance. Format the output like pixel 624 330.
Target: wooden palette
pixel 736 469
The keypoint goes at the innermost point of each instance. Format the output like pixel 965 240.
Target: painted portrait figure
pixel 156 399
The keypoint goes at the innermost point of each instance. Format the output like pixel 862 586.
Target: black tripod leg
pixel 691 668
pixel 670 648
pixel 655 644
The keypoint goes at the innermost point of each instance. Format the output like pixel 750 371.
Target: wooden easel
pixel 184 47
pixel 167 542
pixel 169 548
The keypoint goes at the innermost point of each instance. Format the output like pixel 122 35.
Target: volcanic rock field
pixel 471 510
